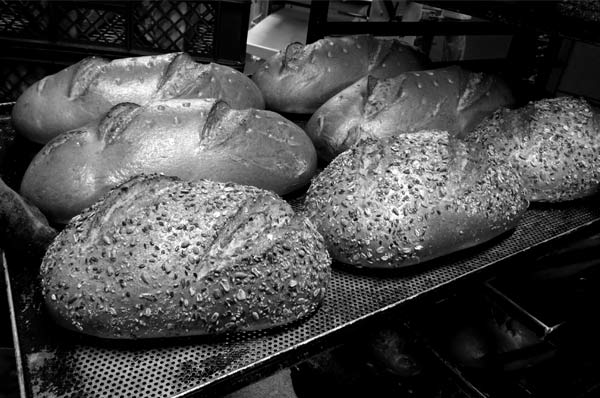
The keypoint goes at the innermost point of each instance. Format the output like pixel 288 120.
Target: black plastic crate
pixel 39 36
pixel 17 75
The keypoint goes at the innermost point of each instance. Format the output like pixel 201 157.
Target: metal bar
pixel 316 20
pixel 129 27
pixel 231 28
pixel 512 308
pixel 13 323
pixel 564 55
pixel 420 332
pixel 436 28
pixel 216 39
pixel 468 387
pixel 60 53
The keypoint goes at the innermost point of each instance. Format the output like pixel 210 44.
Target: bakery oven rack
pixel 56 363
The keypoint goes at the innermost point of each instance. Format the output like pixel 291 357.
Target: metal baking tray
pixel 53 362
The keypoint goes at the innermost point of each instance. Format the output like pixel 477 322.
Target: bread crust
pixel 403 200
pixel 190 139
pixel 451 99
pixel 88 89
pixel 160 257
pixel 301 78
pixel 23 228
pixel 553 143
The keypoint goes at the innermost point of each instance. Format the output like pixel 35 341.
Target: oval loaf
pixel 88 89
pixel 190 139
pixel 160 257
pixel 450 99
pixel 301 78
pixel 410 198
pixel 553 143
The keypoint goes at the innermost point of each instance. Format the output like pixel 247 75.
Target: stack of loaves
pixel 420 168
pixel 108 122
pixel 105 123
pixel 411 197
pixel 229 257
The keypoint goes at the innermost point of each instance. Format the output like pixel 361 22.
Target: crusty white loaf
pixel 160 257
pixel 88 89
pixel 190 139
pixel 406 199
pixel 450 99
pixel 553 143
pixel 301 78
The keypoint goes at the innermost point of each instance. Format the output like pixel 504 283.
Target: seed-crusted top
pixel 553 143
pixel 159 257
pixel 406 199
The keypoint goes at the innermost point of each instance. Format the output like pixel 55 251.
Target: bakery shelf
pixel 58 363
pixel 572 19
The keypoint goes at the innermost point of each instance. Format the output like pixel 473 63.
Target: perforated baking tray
pixel 60 364
pixel 57 363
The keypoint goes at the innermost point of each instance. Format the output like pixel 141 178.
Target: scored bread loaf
pixel 553 143
pixel 88 89
pixel 301 78
pixel 190 139
pixel 450 99
pixel 410 198
pixel 161 257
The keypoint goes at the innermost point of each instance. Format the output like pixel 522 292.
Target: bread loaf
pixel 301 78
pixel 87 90
pixel 450 99
pixel 190 139
pixel 159 257
pixel 553 143
pixel 406 199
pixel 23 228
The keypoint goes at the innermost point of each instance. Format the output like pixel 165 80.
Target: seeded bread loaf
pixel 88 89
pixel 553 143
pixel 450 99
pixel 406 199
pixel 301 78
pixel 160 257
pixel 190 139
